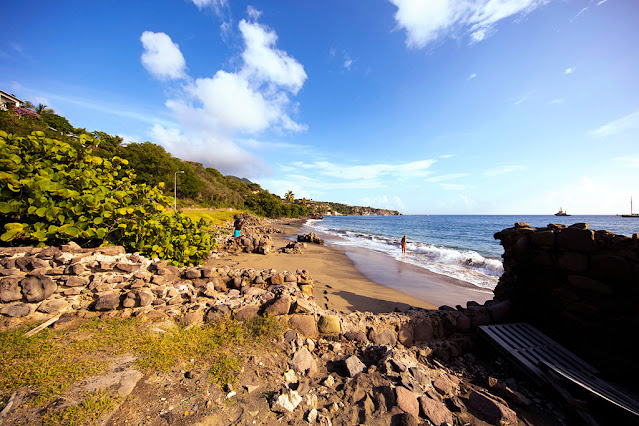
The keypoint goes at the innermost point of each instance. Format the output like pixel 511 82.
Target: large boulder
pixel 10 290
pixel 37 288
pixel 329 324
pixel 107 301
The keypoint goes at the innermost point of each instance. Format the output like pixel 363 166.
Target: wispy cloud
pixel 442 178
pixel 556 101
pixel 447 156
pixel 369 171
pixel 426 21
pixel 502 170
pixel 569 71
pixel 621 125
pixel 470 77
pixel 455 186
pixel 520 101
pixel 629 161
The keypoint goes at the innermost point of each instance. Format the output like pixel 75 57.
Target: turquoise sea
pixel 461 247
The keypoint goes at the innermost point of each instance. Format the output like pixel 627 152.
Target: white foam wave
pixel 465 265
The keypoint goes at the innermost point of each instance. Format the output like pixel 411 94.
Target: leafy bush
pixel 52 192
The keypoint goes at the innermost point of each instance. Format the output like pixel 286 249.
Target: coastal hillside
pixel 197 185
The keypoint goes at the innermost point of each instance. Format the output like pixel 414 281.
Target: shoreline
pixel 357 279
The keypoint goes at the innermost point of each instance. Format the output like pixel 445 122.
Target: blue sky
pixel 438 107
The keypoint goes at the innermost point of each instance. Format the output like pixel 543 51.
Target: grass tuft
pixel 84 413
pixel 50 361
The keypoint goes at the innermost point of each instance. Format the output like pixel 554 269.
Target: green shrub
pixel 52 192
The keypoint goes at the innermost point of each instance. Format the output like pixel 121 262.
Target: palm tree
pixel 42 108
pixel 289 196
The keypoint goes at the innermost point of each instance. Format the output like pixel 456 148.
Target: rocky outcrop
pixel 579 286
pixel 310 238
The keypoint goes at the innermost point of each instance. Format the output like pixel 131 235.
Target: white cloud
pixel 502 170
pixel 265 63
pixel 428 20
pixel 570 70
pixel 447 156
pixel 216 4
pixel 253 13
pixel 455 186
pixel 621 125
pixel 347 63
pixel 442 178
pixel 599 3
pixel 520 101
pixel 556 101
pixel 629 161
pixel 215 112
pixel 370 171
pixel 161 57
pixel 470 77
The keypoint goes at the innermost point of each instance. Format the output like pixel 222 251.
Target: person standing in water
pixel 404 245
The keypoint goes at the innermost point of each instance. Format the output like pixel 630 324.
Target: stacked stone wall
pixel 580 286
pixel 37 284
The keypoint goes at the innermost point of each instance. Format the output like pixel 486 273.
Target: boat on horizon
pixel 561 212
pixel 631 213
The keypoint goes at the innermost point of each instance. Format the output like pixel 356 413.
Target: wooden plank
pixel 533 331
pixel 41 326
pixel 527 366
pixel 621 398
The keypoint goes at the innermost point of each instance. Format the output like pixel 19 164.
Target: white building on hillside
pixel 7 99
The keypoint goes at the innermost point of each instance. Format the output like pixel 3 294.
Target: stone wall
pixel 578 285
pixel 37 284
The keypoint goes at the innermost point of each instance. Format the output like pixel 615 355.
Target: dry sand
pixel 384 284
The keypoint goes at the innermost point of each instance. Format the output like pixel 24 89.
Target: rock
pixel 305 324
pixel 405 337
pixel 435 411
pixel 408 420
pixel 311 417
pixel 290 278
pixel 302 306
pixel 36 289
pixel 500 312
pixel 304 363
pixel 71 247
pixel 16 310
pixel 193 317
pixel 75 281
pixel 246 312
pixel 443 386
pixel 310 238
pixel 287 401
pixel 279 306
pixel 277 279
pixel 407 401
pixel 307 289
pixel 193 273
pixel 144 298
pixel 358 336
pixel 463 323
pixel 10 290
pixel 107 301
pixel 354 366
pixel 577 239
pixel 329 382
pixel 423 332
pixel 329 324
pixel 492 409
pixel 53 306
pixel 385 337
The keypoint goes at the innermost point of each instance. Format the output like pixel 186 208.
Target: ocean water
pixel 461 247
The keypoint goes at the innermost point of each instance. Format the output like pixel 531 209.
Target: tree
pixel 42 108
pixel 52 192
pixel 289 196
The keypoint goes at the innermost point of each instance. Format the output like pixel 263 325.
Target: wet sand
pixel 358 279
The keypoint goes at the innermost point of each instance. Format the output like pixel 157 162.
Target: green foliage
pixel 85 413
pixel 289 196
pixel 153 165
pixel 52 193
pixel 57 122
pixel 266 204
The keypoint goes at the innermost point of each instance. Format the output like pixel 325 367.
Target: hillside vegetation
pixel 151 164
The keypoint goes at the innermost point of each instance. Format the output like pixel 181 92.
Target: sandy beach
pixel 358 279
